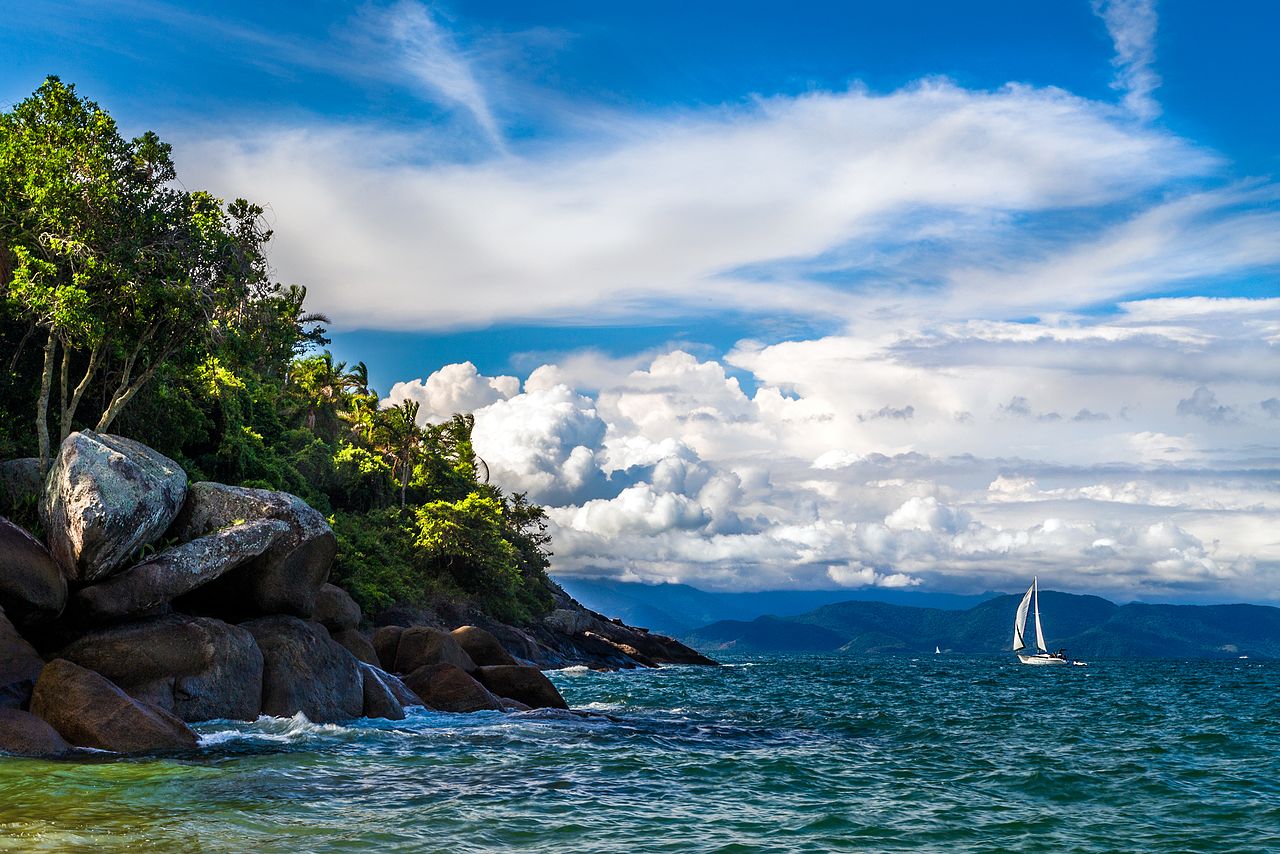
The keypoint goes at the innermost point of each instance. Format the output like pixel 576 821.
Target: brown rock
pixel 421 645
pixel 510 705
pixel 379 701
pixel 88 711
pixel 386 642
pixel 20 666
pixel 305 670
pixel 483 648
pixel 357 644
pixel 197 668
pixel 24 734
pixel 32 587
pixel 526 684
pixel 335 610
pixel 450 689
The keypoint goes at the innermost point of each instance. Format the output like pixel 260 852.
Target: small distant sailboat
pixel 1031 602
pixel 937 650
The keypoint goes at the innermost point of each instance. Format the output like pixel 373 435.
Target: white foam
pixel 279 730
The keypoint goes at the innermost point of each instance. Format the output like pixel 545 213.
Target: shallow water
pixel 780 753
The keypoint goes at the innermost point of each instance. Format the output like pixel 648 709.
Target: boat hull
pixel 1041 659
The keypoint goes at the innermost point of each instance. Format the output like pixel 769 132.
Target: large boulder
pixel 422 645
pixel 24 734
pixel 32 587
pixel 483 648
pixel 450 689
pixel 528 685
pixel 197 668
pixel 149 587
pixel 358 645
pixel 20 666
pixel 104 498
pixel 386 643
pixel 335 610
pixel 282 580
pixel 21 480
pixel 305 670
pixel 88 711
pixel 379 700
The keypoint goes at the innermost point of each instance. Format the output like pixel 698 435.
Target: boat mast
pixel 1035 585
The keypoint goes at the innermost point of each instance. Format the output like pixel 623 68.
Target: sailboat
pixel 1031 601
pixel 937 650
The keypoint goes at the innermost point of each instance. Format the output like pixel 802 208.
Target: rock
pixel 379 701
pixel 450 689
pixel 24 734
pixel 20 480
pixel 104 498
pixel 197 668
pixel 20 666
pixel 358 645
pixel 526 684
pixel 403 694
pixel 386 642
pixel 569 622
pixel 510 705
pixel 32 587
pixel 88 711
pixel 305 670
pixel 282 580
pixel 335 610
pixel 421 646
pixel 149 587
pixel 483 648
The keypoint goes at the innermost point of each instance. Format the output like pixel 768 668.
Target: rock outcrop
pixel 89 711
pixel 286 578
pixel 32 586
pixel 197 668
pixel 448 688
pixel 105 498
pixel 20 666
pixel 335 610
pixel 305 670
pixel 24 734
pixel 421 645
pixel 524 684
pixel 481 646
pixel 379 700
pixel 358 645
pixel 386 643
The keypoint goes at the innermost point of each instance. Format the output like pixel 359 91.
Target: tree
pixel 397 434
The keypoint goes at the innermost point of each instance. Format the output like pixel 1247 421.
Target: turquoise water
pixel 802 753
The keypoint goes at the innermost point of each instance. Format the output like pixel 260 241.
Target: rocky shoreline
pixel 152 603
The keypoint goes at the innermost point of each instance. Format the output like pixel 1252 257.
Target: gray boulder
pixel 379 701
pixel 20 480
pixel 194 667
pixel 282 580
pixel 88 711
pixel 104 498
pixel 483 648
pixel 527 685
pixel 358 645
pixel 450 689
pixel 335 610
pixel 149 587
pixel 422 645
pixel 20 666
pixel 32 587
pixel 305 670
pixel 24 734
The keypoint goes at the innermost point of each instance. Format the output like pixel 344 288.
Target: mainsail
pixel 1020 621
pixel 1039 631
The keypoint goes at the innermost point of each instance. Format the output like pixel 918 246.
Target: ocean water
pixel 770 753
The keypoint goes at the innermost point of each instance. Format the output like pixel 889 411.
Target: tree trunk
pixel 69 409
pixel 42 404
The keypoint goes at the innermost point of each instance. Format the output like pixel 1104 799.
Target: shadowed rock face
pixel 379 701
pixel 335 610
pixel 386 643
pixel 197 668
pixel 421 645
pixel 88 711
pixel 24 734
pixel 527 685
pixel 450 689
pixel 305 670
pixel 149 587
pixel 358 645
pixel 32 587
pixel 20 666
pixel 483 648
pixel 282 580
pixel 104 498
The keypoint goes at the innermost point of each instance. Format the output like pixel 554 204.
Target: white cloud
pixel 856 575
pixel 453 388
pixel 1132 27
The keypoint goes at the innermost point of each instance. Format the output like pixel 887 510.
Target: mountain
pixel 1087 626
pixel 678 609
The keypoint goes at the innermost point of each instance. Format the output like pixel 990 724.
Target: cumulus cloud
pixel 1203 403
pixel 453 388
pixel 856 575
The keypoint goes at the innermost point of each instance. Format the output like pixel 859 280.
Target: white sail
pixel 1039 631
pixel 1020 621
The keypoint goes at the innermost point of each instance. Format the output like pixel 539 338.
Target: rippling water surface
pixel 812 753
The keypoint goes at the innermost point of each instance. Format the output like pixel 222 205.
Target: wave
pixel 273 729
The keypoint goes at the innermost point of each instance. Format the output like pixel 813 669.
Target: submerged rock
pixel 422 645
pixel 450 689
pixel 104 498
pixel 282 580
pixel 528 685
pixel 24 734
pixel 305 670
pixel 32 586
pixel 149 587
pixel 20 666
pixel 482 647
pixel 89 711
pixel 198 668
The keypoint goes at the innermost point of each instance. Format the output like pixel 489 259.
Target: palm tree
pixel 398 435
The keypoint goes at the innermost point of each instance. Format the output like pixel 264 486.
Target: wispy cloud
pixel 1132 26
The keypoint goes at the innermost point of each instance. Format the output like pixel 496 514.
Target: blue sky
pixel 751 295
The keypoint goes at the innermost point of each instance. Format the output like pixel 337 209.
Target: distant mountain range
pixel 678 609
pixel 1087 626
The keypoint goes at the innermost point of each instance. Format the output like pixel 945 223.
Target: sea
pixel 769 753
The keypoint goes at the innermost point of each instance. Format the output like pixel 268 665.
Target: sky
pixel 758 296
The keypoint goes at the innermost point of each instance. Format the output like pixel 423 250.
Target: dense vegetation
pixel 136 306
